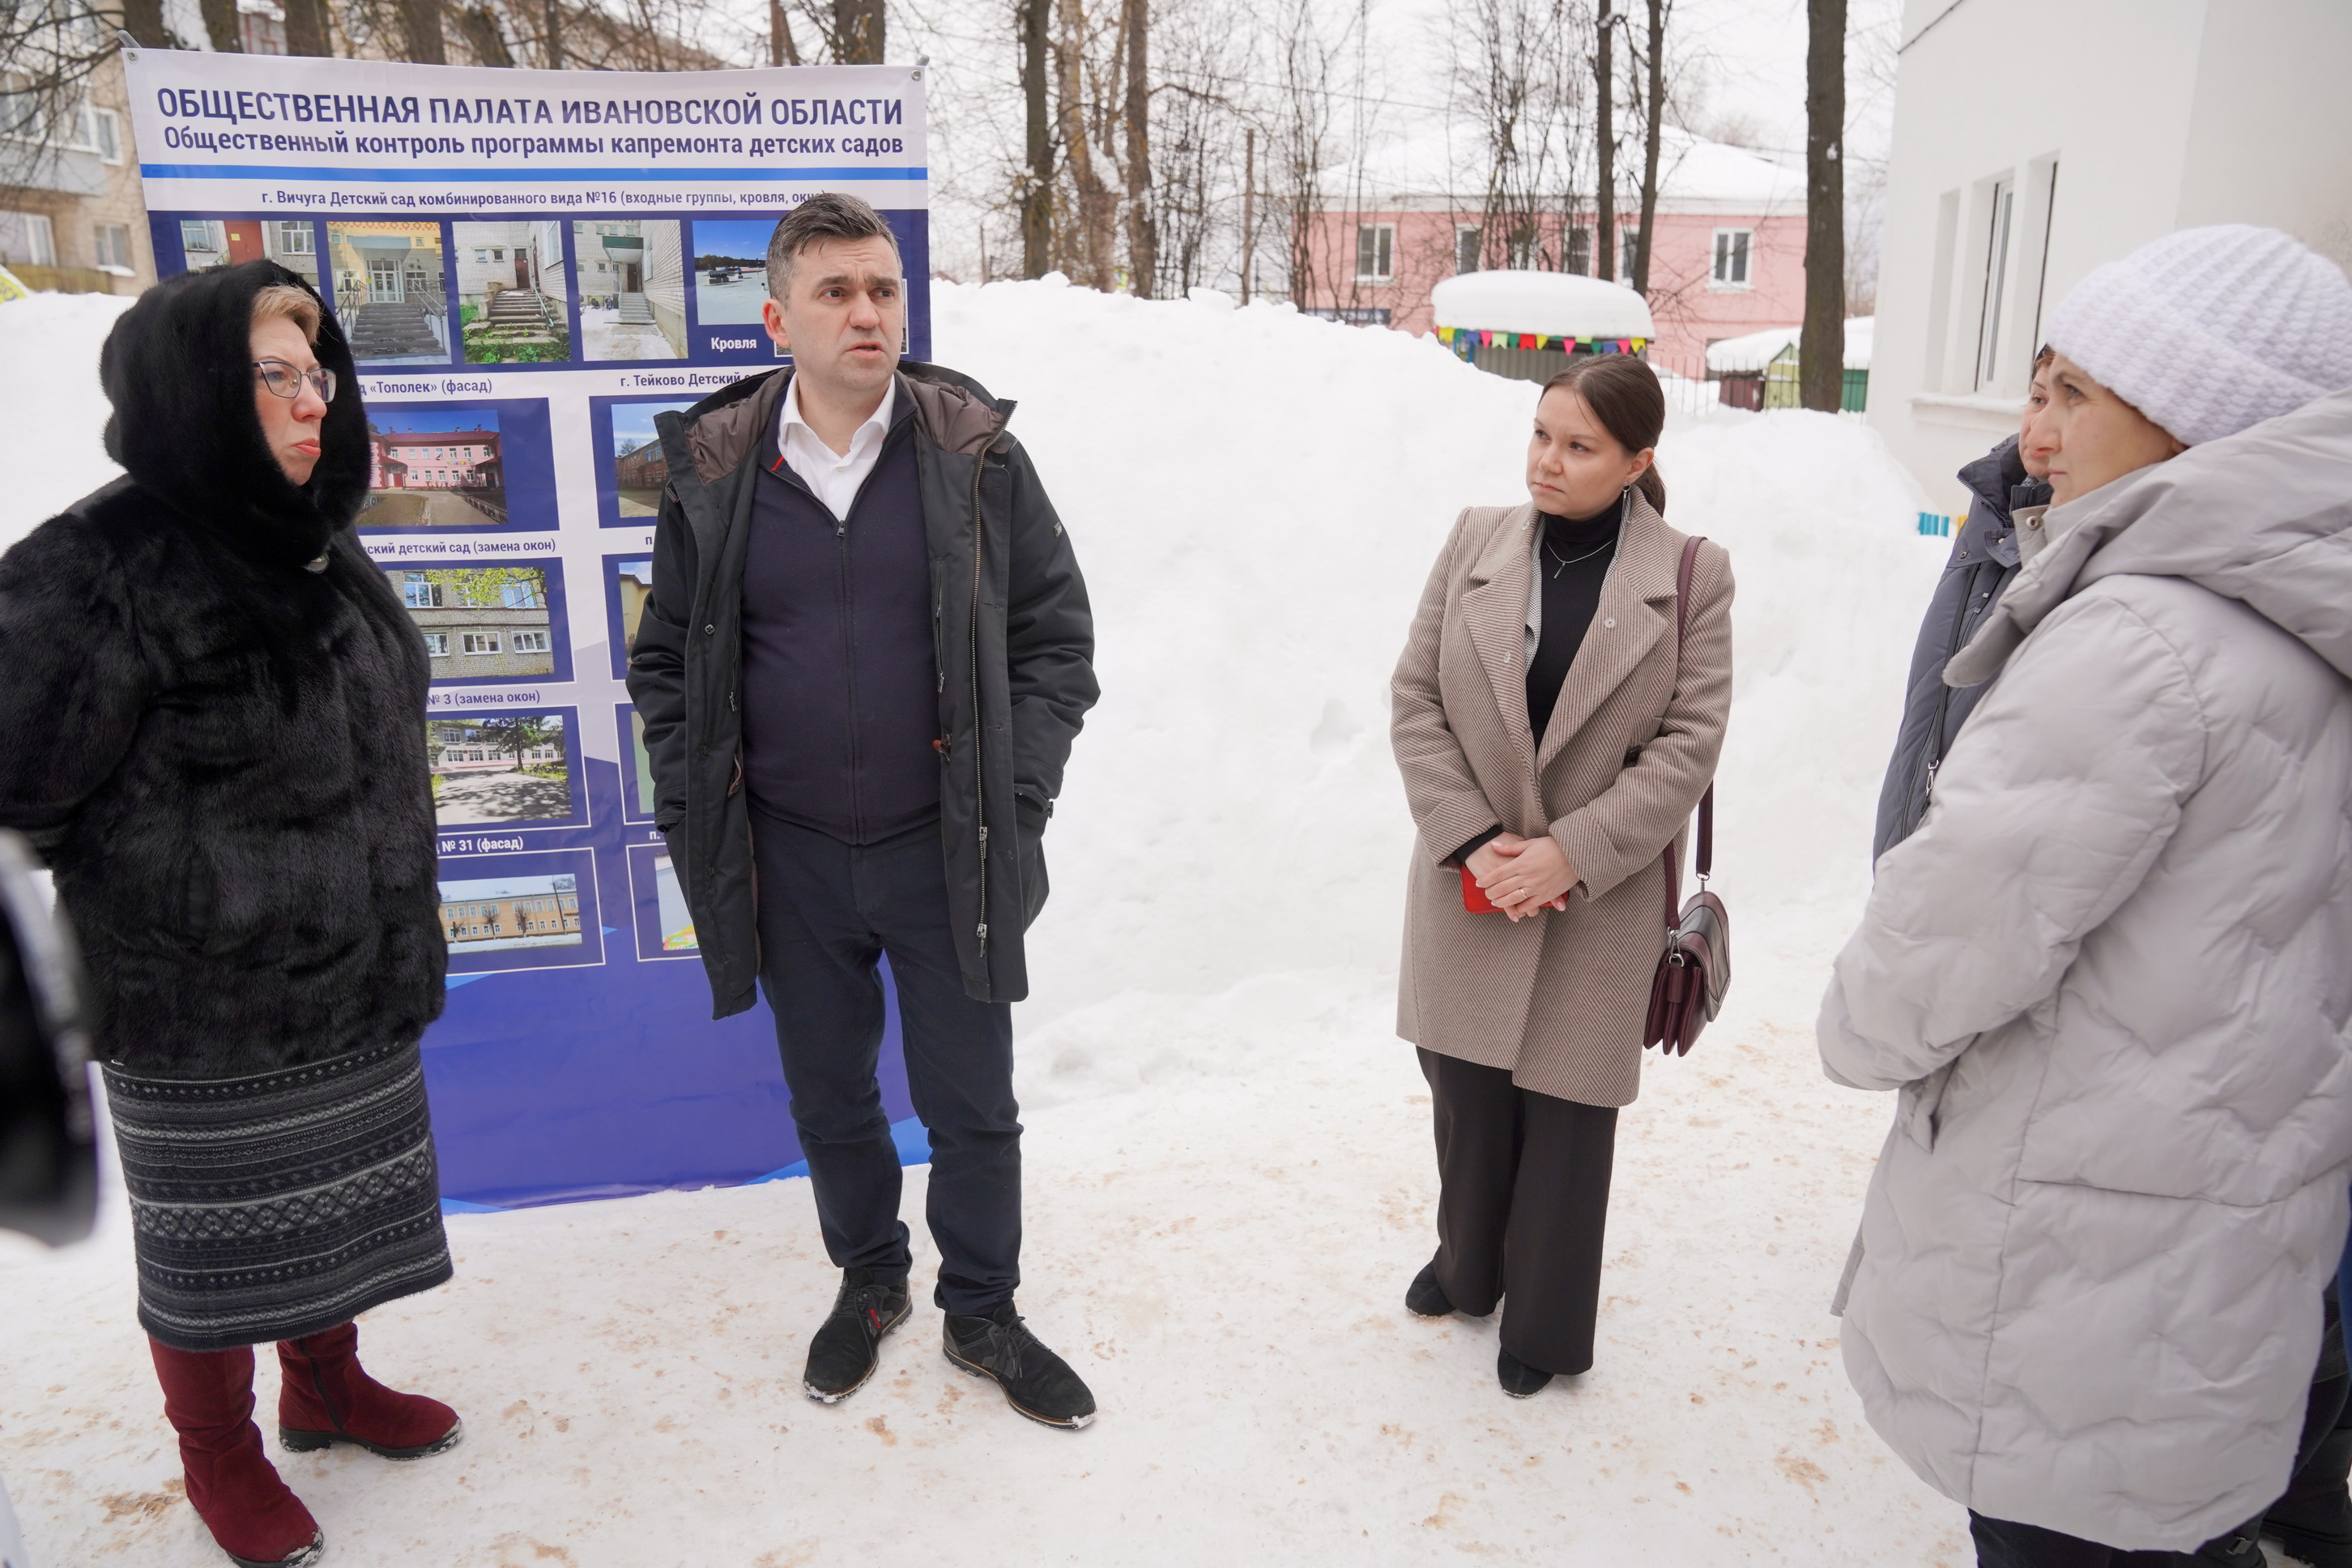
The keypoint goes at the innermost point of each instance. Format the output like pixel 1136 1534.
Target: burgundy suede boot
pixel 324 1397
pixel 208 1395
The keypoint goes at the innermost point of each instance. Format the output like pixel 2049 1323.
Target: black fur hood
pixel 178 368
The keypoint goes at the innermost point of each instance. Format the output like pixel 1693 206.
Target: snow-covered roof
pixel 1751 353
pixel 1557 304
pixel 1448 163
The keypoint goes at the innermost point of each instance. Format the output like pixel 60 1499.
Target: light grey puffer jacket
pixel 2112 976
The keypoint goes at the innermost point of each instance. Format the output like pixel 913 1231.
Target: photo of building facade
pixel 631 277
pixel 435 469
pixel 640 470
pixel 633 582
pixel 388 291
pixel 511 288
pixel 488 914
pixel 479 622
pixel 500 767
pixel 293 244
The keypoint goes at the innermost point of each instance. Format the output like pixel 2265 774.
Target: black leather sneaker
pixel 1519 1380
pixel 1426 1298
pixel 1038 1382
pixel 847 1346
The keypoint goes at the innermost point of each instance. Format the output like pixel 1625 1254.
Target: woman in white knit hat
pixel 2112 973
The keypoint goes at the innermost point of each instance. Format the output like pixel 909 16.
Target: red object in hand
pixel 1474 897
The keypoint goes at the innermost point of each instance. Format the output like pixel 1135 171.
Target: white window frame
pixel 1998 297
pixel 527 642
pixel 437 644
pixel 1628 237
pixel 294 237
pixel 1577 234
pixel 425 589
pixel 112 257
pixel 1724 249
pixel 481 645
pixel 1477 241
pixel 1383 239
pixel 40 237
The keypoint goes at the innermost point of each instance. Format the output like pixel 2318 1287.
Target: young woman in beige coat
pixel 1554 735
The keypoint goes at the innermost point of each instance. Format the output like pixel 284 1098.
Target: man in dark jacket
pixel 1984 558
pixel 864 656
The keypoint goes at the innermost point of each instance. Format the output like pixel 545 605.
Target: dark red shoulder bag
pixel 1695 970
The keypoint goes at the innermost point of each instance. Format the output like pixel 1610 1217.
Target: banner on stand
pixel 529 265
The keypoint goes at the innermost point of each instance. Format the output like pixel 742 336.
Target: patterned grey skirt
pixel 278 1205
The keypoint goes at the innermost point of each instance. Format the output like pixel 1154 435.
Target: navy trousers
pixel 828 911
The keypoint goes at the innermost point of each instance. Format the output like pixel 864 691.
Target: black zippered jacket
pixel 1014 634
pixel 1983 561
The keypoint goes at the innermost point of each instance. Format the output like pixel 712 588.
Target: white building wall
pixel 2114 122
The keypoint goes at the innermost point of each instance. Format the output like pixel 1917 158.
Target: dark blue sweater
pixel 840 675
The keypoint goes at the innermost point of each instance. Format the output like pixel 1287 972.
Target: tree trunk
pixel 420 29
pixel 1094 196
pixel 859 25
pixel 782 48
pixel 1656 107
pixel 479 24
pixel 1142 242
pixel 1604 147
pixel 1037 197
pixel 220 25
pixel 1821 352
pixel 306 28
pixel 1249 210
pixel 550 46
pixel 143 20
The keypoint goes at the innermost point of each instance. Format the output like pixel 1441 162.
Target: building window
pixel 1375 252
pixel 480 254
pixel 100 130
pixel 295 239
pixel 198 235
pixel 1467 244
pixel 528 642
pixel 262 33
pixel 498 252
pixel 111 245
pixel 524 596
pixel 437 644
pixel 26 239
pixel 421 592
pixel 481 642
pixel 1579 249
pixel 1732 246
pixel 2000 212
pixel 1629 240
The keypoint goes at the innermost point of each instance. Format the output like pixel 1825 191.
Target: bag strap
pixel 1683 573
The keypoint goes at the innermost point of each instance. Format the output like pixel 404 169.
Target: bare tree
pixel 1143 243
pixel 858 27
pixel 1035 188
pixel 1654 107
pixel 1821 352
pixel 782 49
pixel 1088 251
pixel 1604 142
pixel 478 24
pixel 49 51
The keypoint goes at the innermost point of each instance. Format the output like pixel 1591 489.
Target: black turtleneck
pixel 1571 563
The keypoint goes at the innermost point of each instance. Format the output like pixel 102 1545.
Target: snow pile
pixel 1750 353
pixel 52 411
pixel 1228 1163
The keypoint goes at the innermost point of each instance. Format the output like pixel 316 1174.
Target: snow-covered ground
pixel 1229 1171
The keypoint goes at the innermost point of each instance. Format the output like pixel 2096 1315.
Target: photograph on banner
pixel 518 768
pixel 292 243
pixel 630 278
pixel 513 292
pixel 475 465
pixel 528 911
pixel 637 774
pixel 633 470
pixel 389 291
pixel 730 269
pixel 627 580
pixel 664 928
pixel 487 623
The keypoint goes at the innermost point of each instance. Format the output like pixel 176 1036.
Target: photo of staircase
pixel 511 304
pixel 387 287
pixel 631 277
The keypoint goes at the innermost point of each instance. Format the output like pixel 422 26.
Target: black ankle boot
pixel 847 1346
pixel 2314 1521
pixel 1038 1382
pixel 1426 1298
pixel 1519 1380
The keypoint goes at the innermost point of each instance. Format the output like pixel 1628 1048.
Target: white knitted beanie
pixel 2208 331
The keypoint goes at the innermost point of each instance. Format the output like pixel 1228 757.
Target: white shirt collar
pixel 877 423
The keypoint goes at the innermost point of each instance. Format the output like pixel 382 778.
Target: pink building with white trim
pixel 1728 258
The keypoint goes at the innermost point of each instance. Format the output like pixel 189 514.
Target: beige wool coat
pixel 1558 999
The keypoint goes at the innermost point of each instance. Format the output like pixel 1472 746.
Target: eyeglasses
pixel 283 381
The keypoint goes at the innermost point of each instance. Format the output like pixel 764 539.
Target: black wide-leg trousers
pixel 828 912
pixel 1523 1196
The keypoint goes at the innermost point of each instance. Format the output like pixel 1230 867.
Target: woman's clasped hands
pixel 1522 876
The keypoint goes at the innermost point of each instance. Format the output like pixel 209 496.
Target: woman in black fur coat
pixel 216 703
